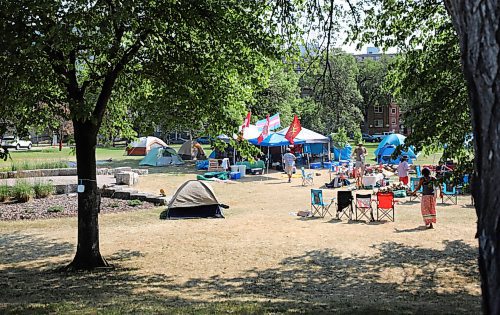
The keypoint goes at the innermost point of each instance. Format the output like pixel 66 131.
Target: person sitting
pixel 441 170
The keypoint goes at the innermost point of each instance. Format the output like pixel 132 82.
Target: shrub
pixel 55 209
pixel 5 192
pixel 43 190
pixel 134 202
pixel 22 191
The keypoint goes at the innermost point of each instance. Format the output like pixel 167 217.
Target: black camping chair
pixel 364 207
pixel 344 204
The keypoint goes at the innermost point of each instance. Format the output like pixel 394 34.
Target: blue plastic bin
pixel 235 175
pixel 315 165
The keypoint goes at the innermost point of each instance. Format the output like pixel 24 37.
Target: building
pixel 372 53
pixel 382 119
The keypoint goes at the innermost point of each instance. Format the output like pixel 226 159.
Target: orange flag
pixel 293 130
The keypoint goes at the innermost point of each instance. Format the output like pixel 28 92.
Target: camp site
pixel 249 157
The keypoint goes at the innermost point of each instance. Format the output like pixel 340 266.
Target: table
pixel 371 180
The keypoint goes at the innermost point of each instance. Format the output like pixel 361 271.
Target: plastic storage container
pixel 235 175
pixel 242 169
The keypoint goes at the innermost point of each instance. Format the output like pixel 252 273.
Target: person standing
pixel 289 163
pixel 428 203
pixel 359 165
pixel 403 169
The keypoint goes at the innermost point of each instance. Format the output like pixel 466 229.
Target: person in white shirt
pixel 403 169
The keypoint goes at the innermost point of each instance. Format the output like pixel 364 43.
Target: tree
pixel 476 23
pixel 78 53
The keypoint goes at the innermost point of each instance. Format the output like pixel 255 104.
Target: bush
pixel 22 191
pixel 55 209
pixel 43 190
pixel 134 202
pixel 358 137
pixel 5 192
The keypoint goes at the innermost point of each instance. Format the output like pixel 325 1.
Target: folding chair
pixel 413 184
pixel 214 166
pixel 318 205
pixel 307 178
pixel 449 193
pixel 364 207
pixel 344 204
pixel 385 206
pixel 418 170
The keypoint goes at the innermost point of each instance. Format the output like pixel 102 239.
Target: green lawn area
pixel 421 160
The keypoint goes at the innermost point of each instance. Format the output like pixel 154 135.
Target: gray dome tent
pixel 193 199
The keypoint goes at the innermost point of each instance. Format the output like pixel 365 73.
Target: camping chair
pixel 449 193
pixel 318 205
pixel 385 206
pixel 364 206
pixel 418 170
pixel 413 184
pixel 307 178
pixel 214 166
pixel 344 204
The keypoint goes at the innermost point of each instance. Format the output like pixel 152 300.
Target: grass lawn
pixel 421 160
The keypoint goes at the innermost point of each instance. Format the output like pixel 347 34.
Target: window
pixel 378 122
pixel 393 121
pixel 377 109
pixel 393 111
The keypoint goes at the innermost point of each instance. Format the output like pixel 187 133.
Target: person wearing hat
pixel 359 155
pixel 289 163
pixel 403 169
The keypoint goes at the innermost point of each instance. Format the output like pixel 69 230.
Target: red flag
pixel 246 122
pixel 265 131
pixel 293 130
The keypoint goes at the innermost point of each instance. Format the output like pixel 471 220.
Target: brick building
pixel 383 119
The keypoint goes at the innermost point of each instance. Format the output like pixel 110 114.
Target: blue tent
pixel 385 155
pixel 394 139
pixel 344 153
pixel 276 140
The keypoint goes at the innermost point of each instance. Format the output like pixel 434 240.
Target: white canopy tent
pixel 310 137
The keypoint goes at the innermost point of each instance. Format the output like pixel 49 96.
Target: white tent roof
pixel 308 135
pixel 251 132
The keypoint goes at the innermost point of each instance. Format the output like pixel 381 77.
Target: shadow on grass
pixel 398 280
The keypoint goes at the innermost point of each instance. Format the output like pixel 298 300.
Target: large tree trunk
pixel 87 255
pixel 477 23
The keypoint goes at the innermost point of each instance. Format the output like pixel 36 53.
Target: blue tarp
pixel 394 140
pixel 385 155
pixel 315 148
pixel 275 140
pixel 345 153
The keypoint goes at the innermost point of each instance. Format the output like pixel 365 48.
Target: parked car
pixel 16 143
pixel 368 138
pixel 204 140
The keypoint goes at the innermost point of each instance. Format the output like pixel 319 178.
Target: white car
pixel 15 142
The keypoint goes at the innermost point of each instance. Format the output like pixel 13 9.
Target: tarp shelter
pixel 186 150
pixel 162 156
pixel 342 154
pixel 193 199
pixel 385 155
pixel 143 145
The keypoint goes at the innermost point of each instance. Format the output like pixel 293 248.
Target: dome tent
pixel 143 145
pixel 342 154
pixel 193 199
pixel 161 156
pixel 395 140
pixel 385 155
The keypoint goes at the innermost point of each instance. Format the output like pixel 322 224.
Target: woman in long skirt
pixel 428 205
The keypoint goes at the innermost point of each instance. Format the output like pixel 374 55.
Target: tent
pixel 161 156
pixel 143 145
pixel 308 136
pixel 276 140
pixel 394 139
pixel 193 199
pixel 385 155
pixel 186 149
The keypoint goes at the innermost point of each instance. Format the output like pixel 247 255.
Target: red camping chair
pixel 385 206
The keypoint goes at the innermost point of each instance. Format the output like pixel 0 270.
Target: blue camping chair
pixel 307 178
pixel 449 193
pixel 413 184
pixel 318 205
